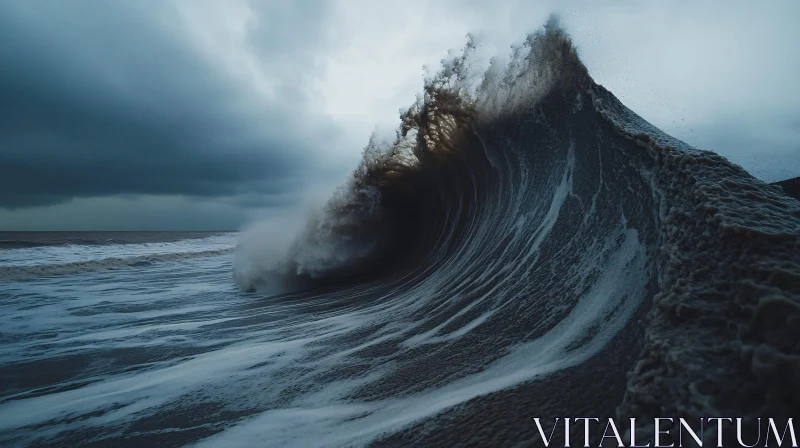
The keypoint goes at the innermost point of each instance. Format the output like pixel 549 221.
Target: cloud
pixel 111 98
pixel 253 104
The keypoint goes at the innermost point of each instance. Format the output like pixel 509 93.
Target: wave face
pixel 539 237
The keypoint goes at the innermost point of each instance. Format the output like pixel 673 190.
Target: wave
pixel 524 209
pixel 26 244
pixel 21 244
pixel 16 273
pixel 23 240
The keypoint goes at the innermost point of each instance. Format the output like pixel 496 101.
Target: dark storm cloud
pixel 113 98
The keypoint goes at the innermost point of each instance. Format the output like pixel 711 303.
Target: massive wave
pixel 529 247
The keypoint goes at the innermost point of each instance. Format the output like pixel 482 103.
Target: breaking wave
pixel 525 225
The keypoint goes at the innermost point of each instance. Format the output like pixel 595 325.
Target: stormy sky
pixel 181 114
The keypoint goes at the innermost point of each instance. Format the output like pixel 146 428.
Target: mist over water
pixel 526 247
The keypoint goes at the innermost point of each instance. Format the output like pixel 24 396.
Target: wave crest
pixel 382 198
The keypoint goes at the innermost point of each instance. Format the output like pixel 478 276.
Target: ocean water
pixel 167 350
pixel 527 248
pixel 111 313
